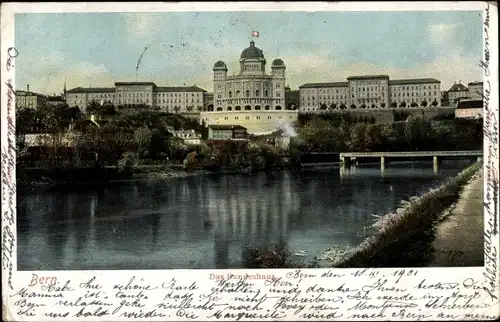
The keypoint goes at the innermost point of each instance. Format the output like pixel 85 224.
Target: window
pixel 277 85
pixel 266 93
pixel 247 93
pixel 257 117
pixel 269 117
pixel 247 117
pixel 257 93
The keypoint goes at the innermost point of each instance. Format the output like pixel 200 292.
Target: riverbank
pixel 403 238
pixel 464 221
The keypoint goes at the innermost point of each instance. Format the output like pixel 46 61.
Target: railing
pixel 412 154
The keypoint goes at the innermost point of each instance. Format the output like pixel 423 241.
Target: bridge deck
pixel 412 154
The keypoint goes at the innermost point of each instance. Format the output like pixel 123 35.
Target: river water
pixel 205 222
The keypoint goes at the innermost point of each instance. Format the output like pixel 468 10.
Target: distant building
pixel 475 90
pixel 457 92
pixel 468 108
pixel 188 136
pixel 227 132
pixel 55 100
pixel 252 98
pixel 27 99
pixel 370 91
pixel 185 99
pixel 292 98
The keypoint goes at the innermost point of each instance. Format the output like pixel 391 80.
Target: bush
pixel 191 161
pixel 127 161
pixel 275 255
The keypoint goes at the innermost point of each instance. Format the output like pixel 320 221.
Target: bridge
pixel 406 154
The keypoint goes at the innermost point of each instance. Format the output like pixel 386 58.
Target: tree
pixel 142 138
pixel 199 108
pixel 177 109
pixel 394 104
pixel 424 103
pixel 333 106
pixel 25 120
pixel 382 105
pixel 323 106
pixel 414 104
pixel 343 106
pixel 434 103
pixel 353 106
pixel 93 108
pixel 363 105
pixel 403 104
pixel 189 108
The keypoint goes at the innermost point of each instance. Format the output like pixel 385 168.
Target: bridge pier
pixel 435 164
pixel 354 161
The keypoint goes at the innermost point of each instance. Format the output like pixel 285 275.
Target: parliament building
pixel 252 98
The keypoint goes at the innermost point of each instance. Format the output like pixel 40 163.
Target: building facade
pixel 27 99
pixel 456 93
pixel 475 90
pixel 470 109
pixel 129 94
pixel 370 91
pixel 252 98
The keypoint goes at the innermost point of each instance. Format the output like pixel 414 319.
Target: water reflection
pixel 206 222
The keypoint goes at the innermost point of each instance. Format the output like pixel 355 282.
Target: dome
pixel 252 52
pixel 278 62
pixel 220 64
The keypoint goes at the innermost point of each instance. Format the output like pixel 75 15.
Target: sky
pixel 97 49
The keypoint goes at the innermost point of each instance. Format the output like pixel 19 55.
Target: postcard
pixel 241 161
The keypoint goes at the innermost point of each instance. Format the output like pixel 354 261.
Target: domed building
pixel 251 98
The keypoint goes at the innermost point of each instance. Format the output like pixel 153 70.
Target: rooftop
pixel 458 88
pixel 316 85
pixel 135 83
pixel 464 104
pixel 413 81
pixel 179 89
pixel 92 90
pixel 368 76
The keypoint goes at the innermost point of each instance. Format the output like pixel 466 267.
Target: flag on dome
pixel 255 34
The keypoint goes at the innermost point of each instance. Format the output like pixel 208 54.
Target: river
pixel 205 221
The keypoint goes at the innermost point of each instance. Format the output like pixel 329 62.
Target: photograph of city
pixel 215 140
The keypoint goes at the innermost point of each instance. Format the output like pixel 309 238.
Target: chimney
pixel 28 88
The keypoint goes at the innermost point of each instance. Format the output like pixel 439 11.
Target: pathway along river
pixel 205 222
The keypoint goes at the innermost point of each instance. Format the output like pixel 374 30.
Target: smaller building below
pixel 227 132
pixel 470 109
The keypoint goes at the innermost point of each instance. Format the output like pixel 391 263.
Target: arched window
pixel 210 108
pixel 247 93
pixel 257 93
pixel 219 109
pixel 278 107
pixel 266 93
pixel 229 108
pixel 257 108
pixel 237 108
pixel 266 108
pixel 237 93
pixel 248 108
pixel 230 94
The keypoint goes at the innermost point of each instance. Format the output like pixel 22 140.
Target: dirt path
pixel 460 237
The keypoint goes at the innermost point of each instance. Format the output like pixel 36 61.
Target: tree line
pixel 348 134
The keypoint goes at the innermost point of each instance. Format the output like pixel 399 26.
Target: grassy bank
pixel 404 238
